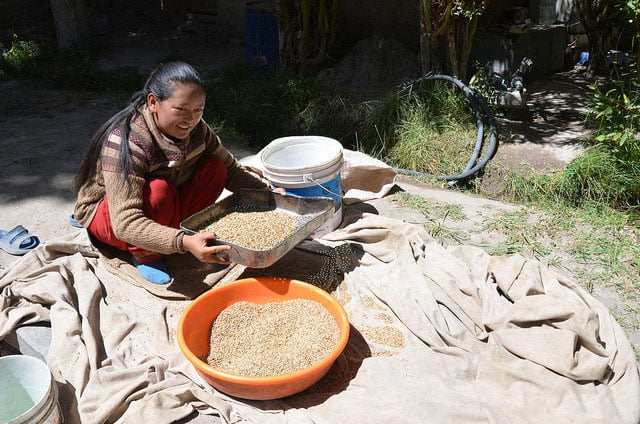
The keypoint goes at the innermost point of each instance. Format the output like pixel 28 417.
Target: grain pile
pixel 271 339
pixel 257 229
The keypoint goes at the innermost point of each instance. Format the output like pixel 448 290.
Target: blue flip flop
pixel 18 241
pixel 74 222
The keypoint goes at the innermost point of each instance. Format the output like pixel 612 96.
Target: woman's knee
pixel 160 198
pixel 214 169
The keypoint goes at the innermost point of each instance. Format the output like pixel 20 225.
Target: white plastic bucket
pixel 28 393
pixel 306 166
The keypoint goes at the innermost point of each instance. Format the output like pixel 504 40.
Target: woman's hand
pixel 197 245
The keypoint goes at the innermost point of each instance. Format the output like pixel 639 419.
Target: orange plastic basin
pixel 196 321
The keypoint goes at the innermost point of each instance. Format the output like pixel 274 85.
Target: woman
pixel 153 164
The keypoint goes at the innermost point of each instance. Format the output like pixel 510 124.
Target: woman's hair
pixel 162 83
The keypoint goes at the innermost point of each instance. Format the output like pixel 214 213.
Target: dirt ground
pixel 45 133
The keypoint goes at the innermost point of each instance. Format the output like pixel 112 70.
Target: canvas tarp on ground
pixel 439 335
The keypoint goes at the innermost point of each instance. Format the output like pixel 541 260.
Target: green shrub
pixel 599 176
pixel 258 107
pixel 615 118
pixel 21 58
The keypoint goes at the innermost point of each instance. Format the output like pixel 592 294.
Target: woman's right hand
pixel 197 245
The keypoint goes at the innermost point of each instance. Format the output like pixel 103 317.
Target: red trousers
pixel 166 204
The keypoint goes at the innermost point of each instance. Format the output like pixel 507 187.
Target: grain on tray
pixel 271 339
pixel 257 229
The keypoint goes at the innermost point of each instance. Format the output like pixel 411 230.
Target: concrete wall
pixel 504 52
pixel 544 41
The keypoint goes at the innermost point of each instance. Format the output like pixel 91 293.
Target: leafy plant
pixel 615 117
pixel 21 57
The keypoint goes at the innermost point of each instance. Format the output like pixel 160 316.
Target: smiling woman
pixel 177 115
pixel 153 164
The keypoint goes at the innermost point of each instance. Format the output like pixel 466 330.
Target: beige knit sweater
pixel 152 155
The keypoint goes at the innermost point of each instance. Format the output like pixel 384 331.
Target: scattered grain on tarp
pixel 371 303
pixel 388 336
pixel 386 318
pixel 342 293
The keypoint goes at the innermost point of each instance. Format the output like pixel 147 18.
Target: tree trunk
pixel 446 48
pixel 307 31
pixel 597 54
pixel 71 22
pixel 452 48
pixel 594 15
pixel 304 45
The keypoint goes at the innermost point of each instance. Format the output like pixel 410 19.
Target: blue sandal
pixel 18 241
pixel 155 272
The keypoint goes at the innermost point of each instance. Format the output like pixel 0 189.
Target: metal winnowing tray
pixel 311 213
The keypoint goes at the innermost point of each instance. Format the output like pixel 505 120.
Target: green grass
pixel 522 230
pixel 603 241
pixel 526 186
pixel 429 128
pixel 598 176
pixel 434 211
pixel 435 151
pixel 437 215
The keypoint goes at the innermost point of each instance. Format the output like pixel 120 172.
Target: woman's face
pixel 178 114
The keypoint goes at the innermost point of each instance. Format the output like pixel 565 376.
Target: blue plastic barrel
pixel 261 36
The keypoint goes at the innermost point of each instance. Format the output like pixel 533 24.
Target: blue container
pixel 307 166
pixel 330 188
pixel 261 37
